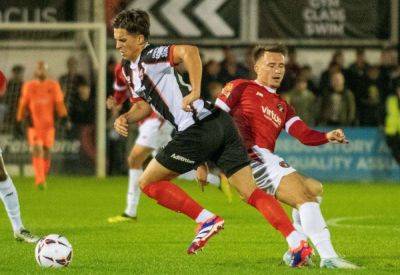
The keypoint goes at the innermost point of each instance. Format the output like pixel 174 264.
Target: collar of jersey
pixel 269 89
pixel 135 64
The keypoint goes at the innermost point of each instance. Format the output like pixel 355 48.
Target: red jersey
pixel 261 114
pixel 121 91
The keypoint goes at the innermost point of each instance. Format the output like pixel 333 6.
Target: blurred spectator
pixel 214 88
pixel 230 68
pixel 71 81
pixel 392 123
pixel 306 73
pixel 368 100
pixel 357 73
pixel 387 67
pixel 337 103
pixel 249 63
pixel 82 116
pixel 9 100
pixel 303 101
pixel 325 79
pixel 335 65
pixel 292 70
pixel 210 74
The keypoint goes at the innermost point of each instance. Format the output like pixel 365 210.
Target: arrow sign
pixel 172 12
pixel 206 12
pixel 156 28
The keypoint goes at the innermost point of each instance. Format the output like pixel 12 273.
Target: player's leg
pixel 315 188
pixel 235 164
pixel 48 142
pixel 9 196
pixel 155 184
pixel 36 147
pixel 136 158
pixel 294 191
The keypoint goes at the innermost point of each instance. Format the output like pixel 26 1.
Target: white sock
pixel 297 223
pixel 133 195
pixel 213 180
pixel 204 215
pixel 191 175
pixel 294 239
pixel 315 228
pixel 9 196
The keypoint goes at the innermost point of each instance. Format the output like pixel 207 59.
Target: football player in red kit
pixel 261 114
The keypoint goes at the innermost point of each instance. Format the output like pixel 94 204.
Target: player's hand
pixel 111 103
pixel 188 100
pixel 337 136
pixel 121 126
pixel 201 175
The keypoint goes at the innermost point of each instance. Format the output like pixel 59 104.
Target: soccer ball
pixel 53 251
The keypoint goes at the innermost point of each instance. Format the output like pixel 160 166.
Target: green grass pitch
pixel 365 228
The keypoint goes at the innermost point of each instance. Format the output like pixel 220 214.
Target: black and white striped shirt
pixel 152 77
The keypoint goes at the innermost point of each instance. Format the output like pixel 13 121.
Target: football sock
pixel 272 211
pixel 204 215
pixel 38 167
pixel 133 195
pixel 213 180
pixel 173 197
pixel 315 228
pixel 9 196
pixel 297 223
pixel 47 165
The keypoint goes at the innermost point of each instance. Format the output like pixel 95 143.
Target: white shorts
pixel 269 169
pixel 154 133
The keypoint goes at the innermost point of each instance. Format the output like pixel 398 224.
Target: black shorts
pixel 215 139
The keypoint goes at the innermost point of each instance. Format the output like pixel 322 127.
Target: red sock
pixel 38 167
pixel 272 211
pixel 47 164
pixel 172 197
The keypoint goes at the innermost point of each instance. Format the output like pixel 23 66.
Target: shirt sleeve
pixel 160 54
pixel 59 96
pixel 121 93
pixel 230 96
pixel 23 102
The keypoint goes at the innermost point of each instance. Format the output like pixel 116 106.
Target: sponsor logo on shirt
pixel 280 107
pixel 260 94
pixel 180 158
pixel 272 116
pixel 226 91
pixel 160 52
pixel 284 164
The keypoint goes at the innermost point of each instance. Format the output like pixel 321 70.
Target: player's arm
pixel 23 103
pixel 300 130
pixel 120 88
pixel 61 109
pixel 139 110
pixel 190 57
pixel 230 95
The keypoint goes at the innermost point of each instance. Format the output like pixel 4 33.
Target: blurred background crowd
pixel 340 96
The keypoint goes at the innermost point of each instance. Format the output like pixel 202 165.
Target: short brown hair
pixel 260 50
pixel 133 21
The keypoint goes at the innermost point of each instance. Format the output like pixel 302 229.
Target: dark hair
pixel 260 50
pixel 133 21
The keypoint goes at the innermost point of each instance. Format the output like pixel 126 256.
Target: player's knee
pixel 134 162
pixel 143 182
pixel 314 187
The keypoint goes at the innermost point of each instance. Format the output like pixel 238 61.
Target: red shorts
pixel 41 137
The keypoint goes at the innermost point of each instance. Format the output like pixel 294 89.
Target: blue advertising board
pixel 365 158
